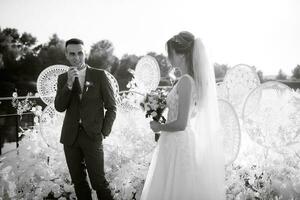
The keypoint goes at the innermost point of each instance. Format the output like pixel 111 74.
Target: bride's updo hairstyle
pixel 182 43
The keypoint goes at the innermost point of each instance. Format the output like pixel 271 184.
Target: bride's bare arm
pixel 184 90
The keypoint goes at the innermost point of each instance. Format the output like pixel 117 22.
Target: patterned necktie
pixel 76 86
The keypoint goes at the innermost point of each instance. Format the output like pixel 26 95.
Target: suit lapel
pixel 88 79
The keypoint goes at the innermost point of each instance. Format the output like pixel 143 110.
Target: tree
pixel 9 49
pixel 27 39
pixel 101 56
pixel 1 62
pixel 220 70
pixel 14 48
pixel 164 66
pixel 296 72
pixel 21 61
pixel 30 67
pixel 281 75
pixel 123 74
pixel 260 75
pixel 52 53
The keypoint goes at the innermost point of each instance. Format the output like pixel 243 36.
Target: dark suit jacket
pixel 97 95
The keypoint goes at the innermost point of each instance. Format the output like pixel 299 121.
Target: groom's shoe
pixel 83 191
pixel 104 194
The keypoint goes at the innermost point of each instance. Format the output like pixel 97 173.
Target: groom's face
pixel 75 54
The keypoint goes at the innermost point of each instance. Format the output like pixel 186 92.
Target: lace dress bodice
pixel 172 104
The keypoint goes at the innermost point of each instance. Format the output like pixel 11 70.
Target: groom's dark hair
pixel 74 41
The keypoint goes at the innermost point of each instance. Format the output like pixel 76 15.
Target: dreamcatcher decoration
pixel 51 120
pixel 271 116
pixel 146 78
pixel 147 74
pixel 239 81
pixel 222 91
pixel 47 80
pixel 51 123
pixel 231 131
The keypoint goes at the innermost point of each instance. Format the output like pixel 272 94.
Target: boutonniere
pixel 87 85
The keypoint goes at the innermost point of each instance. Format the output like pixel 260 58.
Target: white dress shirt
pixel 81 78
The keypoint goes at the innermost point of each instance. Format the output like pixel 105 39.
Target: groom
pixel 83 92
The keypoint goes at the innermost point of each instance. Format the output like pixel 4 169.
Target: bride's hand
pixel 155 126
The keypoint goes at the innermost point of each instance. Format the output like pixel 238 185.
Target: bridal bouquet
pixel 154 104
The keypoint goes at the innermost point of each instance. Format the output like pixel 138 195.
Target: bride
pixel 188 163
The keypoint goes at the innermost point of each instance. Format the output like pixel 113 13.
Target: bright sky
pixel 263 33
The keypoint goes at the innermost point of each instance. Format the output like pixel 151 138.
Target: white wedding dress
pixel 174 173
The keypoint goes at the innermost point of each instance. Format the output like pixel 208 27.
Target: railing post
pixel 17 130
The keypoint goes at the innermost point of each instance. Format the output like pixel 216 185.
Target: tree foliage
pixel 164 65
pixel 124 74
pixel 260 76
pixel 101 56
pixel 13 45
pixel 14 49
pixel 296 72
pixel 21 61
pixel 220 70
pixel 52 52
pixel 281 75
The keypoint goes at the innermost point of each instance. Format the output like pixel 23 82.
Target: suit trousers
pixel 87 154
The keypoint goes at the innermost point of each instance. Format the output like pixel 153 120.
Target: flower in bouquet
pixel 154 104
